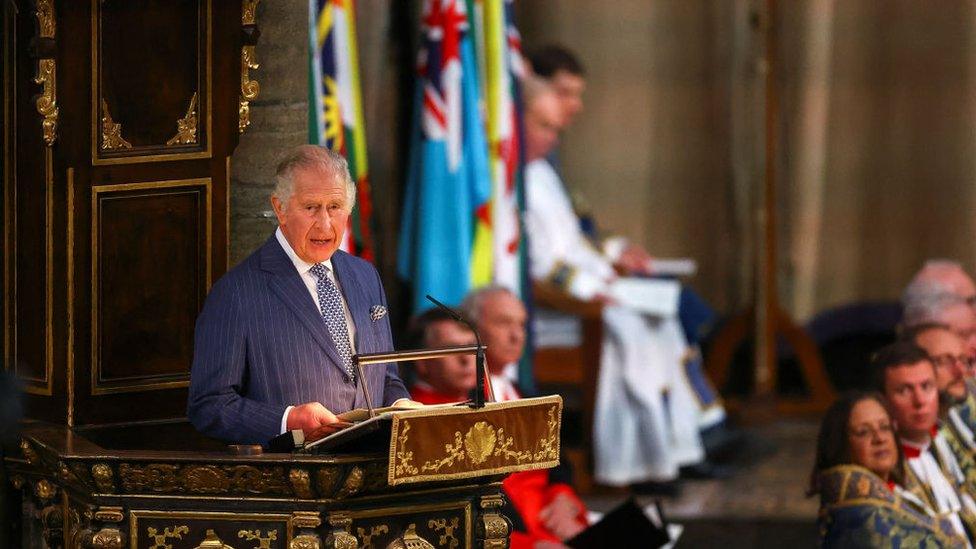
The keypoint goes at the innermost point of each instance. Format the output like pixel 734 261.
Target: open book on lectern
pixel 363 429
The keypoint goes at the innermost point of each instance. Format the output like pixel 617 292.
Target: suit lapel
pixel 288 286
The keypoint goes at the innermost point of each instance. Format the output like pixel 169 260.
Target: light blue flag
pixel 448 177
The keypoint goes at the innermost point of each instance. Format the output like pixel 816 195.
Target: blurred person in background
pixel 906 376
pixel 859 476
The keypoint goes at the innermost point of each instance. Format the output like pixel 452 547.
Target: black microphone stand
pixel 479 361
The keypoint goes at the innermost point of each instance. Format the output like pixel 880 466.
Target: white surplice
pixel 647 417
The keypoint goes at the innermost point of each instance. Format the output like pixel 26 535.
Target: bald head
pixel 543 119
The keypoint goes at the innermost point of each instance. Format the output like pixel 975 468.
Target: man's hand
pixel 634 260
pixel 560 517
pixel 309 417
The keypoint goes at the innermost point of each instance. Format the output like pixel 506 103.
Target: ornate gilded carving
pixel 47 100
pixel 109 514
pixel 494 529
pixel 203 479
pixel 44 11
pixel 29 454
pixel 494 501
pixel 186 127
pixel 482 446
pixel 108 538
pixel 305 522
pixel 159 539
pixel 45 490
pixel 404 457
pixel 326 480
pixel 305 519
pixel 481 441
pixel 448 526
pixel 548 449
pixel 301 483
pixel 367 537
pixel 341 540
pixel 103 476
pixel 354 481
pixel 17 481
pixel 211 541
pixel 52 525
pixel 249 88
pixel 340 536
pixel 410 540
pixel 249 10
pixel 255 535
pixel 305 541
pixel 111 132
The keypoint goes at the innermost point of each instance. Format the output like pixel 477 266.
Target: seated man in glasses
pixel 911 384
pixel 947 352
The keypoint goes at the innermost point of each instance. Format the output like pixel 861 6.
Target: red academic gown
pixel 528 491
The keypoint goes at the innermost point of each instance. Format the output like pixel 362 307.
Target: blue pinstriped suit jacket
pixel 261 345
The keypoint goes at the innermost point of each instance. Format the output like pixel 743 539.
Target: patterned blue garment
pixel 858 510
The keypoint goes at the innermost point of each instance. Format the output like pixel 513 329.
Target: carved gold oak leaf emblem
pixel 479 442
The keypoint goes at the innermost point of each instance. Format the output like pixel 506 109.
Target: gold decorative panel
pixel 454 443
pixel 163 529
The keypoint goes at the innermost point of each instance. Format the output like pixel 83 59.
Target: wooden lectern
pixel 436 483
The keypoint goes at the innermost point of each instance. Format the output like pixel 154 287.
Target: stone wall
pixel 279 121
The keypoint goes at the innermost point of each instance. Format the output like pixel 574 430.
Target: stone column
pixel 279 121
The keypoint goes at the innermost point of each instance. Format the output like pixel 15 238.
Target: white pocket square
pixel 377 312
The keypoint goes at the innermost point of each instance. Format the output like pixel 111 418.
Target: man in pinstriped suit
pixel 274 340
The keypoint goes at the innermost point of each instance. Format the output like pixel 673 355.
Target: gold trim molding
pixel 249 88
pixel 47 101
pixel 111 132
pixel 186 127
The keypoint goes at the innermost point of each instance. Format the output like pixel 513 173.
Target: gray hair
pixel 927 295
pixel 475 300
pixel 317 157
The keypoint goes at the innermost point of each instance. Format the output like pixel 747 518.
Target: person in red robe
pixel 546 511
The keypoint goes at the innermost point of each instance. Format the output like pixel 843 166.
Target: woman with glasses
pixel 859 475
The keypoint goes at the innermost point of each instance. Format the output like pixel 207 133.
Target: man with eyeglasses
pixel 947 351
pixel 908 379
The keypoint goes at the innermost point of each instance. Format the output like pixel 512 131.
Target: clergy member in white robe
pixel 647 417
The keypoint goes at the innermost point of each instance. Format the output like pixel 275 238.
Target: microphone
pixel 479 392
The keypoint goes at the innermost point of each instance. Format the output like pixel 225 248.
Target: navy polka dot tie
pixel 330 305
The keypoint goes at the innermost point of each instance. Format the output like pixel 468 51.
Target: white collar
pixel 300 264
